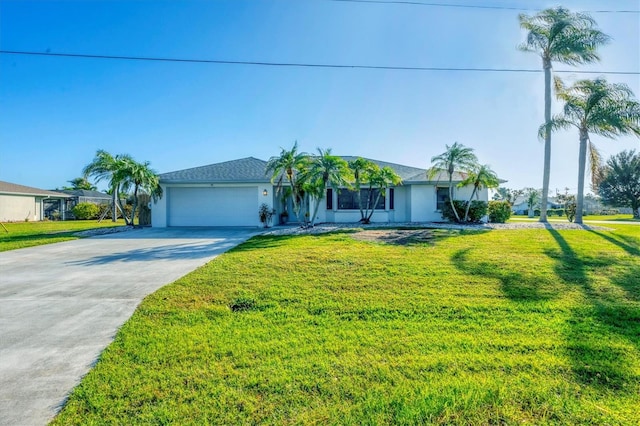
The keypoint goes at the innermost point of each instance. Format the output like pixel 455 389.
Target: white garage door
pixel 213 206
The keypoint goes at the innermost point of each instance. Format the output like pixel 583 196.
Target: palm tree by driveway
pixel 558 35
pixel 456 157
pixel 289 165
pixel 142 178
pixel 106 166
pixel 597 107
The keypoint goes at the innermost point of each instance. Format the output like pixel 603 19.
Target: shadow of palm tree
pixel 628 243
pixel 596 361
pixel 515 285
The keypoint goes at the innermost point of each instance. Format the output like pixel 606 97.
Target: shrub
pixel 477 210
pixel 84 211
pixel 570 207
pixel 499 211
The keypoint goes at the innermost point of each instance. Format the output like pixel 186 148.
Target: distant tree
pixel 532 196
pixel 456 157
pixel 558 35
pixel 289 165
pixel 620 184
pixel 480 177
pixel 508 195
pixel 594 106
pixel 80 183
pixel 324 170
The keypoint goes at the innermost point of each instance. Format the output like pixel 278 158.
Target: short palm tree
pixel 288 165
pixel 106 166
pixel 558 35
pixel 456 157
pixel 361 168
pixel 323 170
pixel 380 179
pixel 481 177
pixel 142 178
pixel 594 106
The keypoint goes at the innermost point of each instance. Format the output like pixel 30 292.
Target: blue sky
pixel 56 112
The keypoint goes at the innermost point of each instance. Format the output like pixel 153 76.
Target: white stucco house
pixel 230 194
pixel 20 203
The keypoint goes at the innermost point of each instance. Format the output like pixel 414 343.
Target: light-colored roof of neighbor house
pixel 243 170
pixel 252 169
pixel 85 193
pixel 15 189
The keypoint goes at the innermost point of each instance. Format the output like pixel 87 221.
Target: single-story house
pixel 230 194
pixel 25 203
pixel 521 206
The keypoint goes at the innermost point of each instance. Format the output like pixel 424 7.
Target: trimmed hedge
pixel 477 210
pixel 499 211
pixel 84 211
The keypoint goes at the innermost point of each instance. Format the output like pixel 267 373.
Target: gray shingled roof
pixel 14 188
pixel 243 170
pixel 85 193
pixel 254 170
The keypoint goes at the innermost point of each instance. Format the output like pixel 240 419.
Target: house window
pixel 329 199
pixel 348 200
pixel 442 196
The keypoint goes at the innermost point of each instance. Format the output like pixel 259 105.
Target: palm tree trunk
pixel 546 63
pixel 582 163
pixel 114 198
pixel 373 208
pixel 453 207
pixel 135 206
pixel 466 210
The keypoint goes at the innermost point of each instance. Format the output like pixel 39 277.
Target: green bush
pixel 499 211
pixel 477 210
pixel 555 212
pixel 84 211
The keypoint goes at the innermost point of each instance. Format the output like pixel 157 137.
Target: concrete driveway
pixel 62 304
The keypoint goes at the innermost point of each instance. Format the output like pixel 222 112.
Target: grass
pixel 498 327
pixel 29 234
pixel 614 217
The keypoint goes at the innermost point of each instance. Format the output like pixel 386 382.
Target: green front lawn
pixel 29 234
pixel 500 327
pixel 613 217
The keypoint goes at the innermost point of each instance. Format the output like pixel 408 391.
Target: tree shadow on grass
pixel 595 361
pixel 628 243
pixel 514 284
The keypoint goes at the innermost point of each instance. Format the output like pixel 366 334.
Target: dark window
pixel 348 200
pixel 442 197
pixel 329 199
pixel 391 199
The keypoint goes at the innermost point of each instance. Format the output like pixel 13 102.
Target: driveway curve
pixel 62 304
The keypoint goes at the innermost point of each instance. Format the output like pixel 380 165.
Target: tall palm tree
pixel 594 106
pixel 558 35
pixel 142 178
pixel 106 166
pixel 288 165
pixel 325 169
pixel 481 177
pixel 457 156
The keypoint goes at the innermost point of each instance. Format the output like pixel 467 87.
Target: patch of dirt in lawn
pixel 400 237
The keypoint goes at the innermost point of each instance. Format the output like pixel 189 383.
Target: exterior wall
pixel 20 207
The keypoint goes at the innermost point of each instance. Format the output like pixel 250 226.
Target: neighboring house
pixel 520 206
pixel 77 196
pixel 230 193
pixel 24 203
